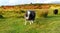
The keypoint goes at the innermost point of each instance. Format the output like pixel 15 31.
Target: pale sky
pixel 14 2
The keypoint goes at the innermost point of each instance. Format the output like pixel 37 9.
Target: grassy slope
pixel 51 24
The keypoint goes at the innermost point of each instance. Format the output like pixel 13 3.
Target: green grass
pixel 51 24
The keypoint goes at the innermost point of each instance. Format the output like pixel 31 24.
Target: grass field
pixel 51 24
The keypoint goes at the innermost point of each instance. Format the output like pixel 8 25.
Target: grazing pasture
pixel 13 22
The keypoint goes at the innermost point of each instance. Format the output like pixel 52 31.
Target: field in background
pixel 21 13
pixel 13 22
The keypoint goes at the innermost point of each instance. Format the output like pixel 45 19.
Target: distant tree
pixel 30 3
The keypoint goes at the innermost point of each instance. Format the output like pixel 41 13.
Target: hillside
pixel 28 6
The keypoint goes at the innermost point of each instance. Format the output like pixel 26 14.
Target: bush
pixel 44 13
pixel 22 11
pixel 1 16
pixel 20 17
pixel 55 11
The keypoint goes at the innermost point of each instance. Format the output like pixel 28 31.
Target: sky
pixel 16 2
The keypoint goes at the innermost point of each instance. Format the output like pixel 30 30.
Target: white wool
pixel 28 14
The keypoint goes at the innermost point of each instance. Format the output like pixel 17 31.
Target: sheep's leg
pixel 31 21
pixel 25 22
